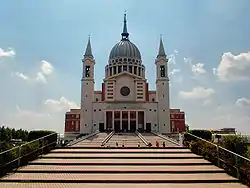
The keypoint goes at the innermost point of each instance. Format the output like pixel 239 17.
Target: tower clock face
pixel 125 91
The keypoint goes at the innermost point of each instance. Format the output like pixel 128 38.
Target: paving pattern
pixel 80 166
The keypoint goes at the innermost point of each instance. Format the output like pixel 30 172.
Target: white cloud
pixel 207 102
pixel 234 67
pixel 46 67
pixel 198 69
pixel 61 104
pixel 21 75
pixel 40 78
pixel 197 93
pixel 242 102
pixel 172 57
pixel 49 116
pixel 187 60
pixel 7 53
pixel 174 71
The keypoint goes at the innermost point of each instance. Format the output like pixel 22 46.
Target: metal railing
pixel 224 158
pixel 82 138
pixel 107 138
pixel 143 139
pixel 177 142
pixel 15 157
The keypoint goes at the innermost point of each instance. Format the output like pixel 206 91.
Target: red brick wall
pixel 72 123
pixel 177 122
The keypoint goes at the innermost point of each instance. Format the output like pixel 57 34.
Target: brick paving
pixel 141 150
pixel 115 176
pixel 115 185
pixel 118 150
pixel 41 168
pixel 124 161
pixel 128 155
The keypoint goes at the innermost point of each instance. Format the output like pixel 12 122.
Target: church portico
pixel 125 120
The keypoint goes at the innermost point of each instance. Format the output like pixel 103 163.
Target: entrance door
pixel 148 127
pixel 117 126
pixel 125 126
pixel 101 127
pixel 132 126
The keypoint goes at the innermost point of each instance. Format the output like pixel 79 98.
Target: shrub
pixel 38 134
pixel 235 143
pixel 205 134
pixel 248 152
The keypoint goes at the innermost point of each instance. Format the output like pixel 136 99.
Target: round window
pixel 125 91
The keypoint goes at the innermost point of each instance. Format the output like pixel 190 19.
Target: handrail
pixel 166 138
pixel 219 159
pixel 82 138
pixel 27 143
pixel 107 138
pixel 19 148
pixel 220 147
pixel 144 140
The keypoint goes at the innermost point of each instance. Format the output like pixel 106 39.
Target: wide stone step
pixel 126 147
pixel 121 185
pixel 121 161
pixel 119 150
pixel 120 178
pixel 121 169
pixel 116 152
pixel 123 155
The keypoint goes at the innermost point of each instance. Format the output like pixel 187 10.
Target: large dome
pixel 125 48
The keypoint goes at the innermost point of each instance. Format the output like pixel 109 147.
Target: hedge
pixel 38 134
pixel 205 134
pixel 29 151
pixel 234 143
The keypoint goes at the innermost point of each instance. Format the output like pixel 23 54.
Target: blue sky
pixel 207 42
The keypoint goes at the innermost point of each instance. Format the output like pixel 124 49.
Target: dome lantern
pixel 125 48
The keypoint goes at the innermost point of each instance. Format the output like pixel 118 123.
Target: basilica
pixel 125 103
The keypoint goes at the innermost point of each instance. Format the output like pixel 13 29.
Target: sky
pixel 207 43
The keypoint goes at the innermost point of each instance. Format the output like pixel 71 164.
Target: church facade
pixel 125 103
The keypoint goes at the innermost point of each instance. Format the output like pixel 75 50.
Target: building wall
pixel 72 123
pixel 72 118
pixel 177 120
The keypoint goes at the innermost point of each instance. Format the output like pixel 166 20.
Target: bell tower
pixel 87 90
pixel 162 90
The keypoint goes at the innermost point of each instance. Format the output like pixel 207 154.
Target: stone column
pixel 120 120
pixel 128 120
pixel 137 119
pixel 105 119
pixel 144 125
pixel 113 120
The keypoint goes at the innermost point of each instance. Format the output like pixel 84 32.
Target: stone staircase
pixel 126 139
pixel 94 141
pixel 119 167
pixel 150 137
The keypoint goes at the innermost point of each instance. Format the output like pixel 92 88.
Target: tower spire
pixel 161 52
pixel 125 33
pixel 88 51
